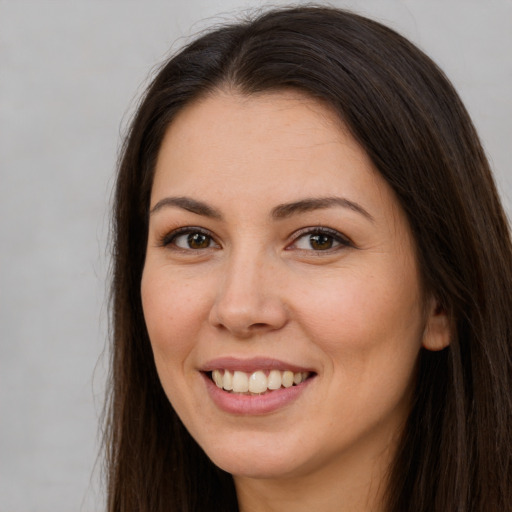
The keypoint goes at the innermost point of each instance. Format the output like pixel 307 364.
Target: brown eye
pixel 190 239
pixel 321 241
pixel 198 241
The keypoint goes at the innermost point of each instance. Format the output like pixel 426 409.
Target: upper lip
pixel 251 365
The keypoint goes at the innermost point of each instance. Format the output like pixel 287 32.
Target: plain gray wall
pixel 69 75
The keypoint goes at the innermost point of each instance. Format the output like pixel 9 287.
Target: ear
pixel 438 327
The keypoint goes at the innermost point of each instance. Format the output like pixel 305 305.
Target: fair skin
pixel 274 244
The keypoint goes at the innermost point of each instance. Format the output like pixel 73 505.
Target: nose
pixel 249 300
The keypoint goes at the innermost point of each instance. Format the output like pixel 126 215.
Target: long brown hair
pixel 456 450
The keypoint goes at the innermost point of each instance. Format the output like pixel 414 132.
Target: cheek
pixel 173 311
pixel 370 332
pixel 364 321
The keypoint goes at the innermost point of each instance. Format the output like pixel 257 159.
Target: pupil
pixel 198 241
pixel 320 241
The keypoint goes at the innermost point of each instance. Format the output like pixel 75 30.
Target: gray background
pixel 70 73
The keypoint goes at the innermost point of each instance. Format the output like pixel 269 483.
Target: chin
pixel 257 468
pixel 257 458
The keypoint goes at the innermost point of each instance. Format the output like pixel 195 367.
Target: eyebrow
pixel 282 211
pixel 189 204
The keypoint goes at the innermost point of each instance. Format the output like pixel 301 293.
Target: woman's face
pixel 277 252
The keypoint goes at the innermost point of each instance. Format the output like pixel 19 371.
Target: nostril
pixel 259 325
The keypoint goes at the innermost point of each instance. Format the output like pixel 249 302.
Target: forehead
pixel 258 140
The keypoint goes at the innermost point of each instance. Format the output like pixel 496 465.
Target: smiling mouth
pixel 258 382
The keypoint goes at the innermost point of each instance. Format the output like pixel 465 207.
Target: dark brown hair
pixel 456 450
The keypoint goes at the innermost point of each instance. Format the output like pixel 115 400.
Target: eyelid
pixel 167 239
pixel 339 237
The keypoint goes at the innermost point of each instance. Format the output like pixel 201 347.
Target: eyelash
pixel 170 238
pixel 335 237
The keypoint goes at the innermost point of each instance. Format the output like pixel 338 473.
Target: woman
pixel 312 278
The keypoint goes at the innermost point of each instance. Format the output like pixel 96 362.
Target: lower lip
pixel 272 401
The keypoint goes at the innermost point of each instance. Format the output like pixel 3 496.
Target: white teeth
pixel 287 379
pixel 274 379
pixel 228 381
pixel 257 382
pixel 217 378
pixel 240 382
